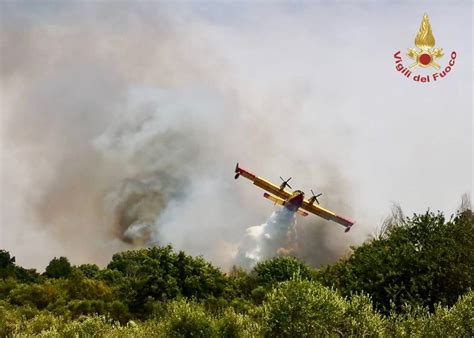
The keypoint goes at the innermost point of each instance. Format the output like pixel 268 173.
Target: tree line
pixel 413 279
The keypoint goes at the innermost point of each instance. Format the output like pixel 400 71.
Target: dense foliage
pixel 423 261
pixel 414 280
pixel 59 268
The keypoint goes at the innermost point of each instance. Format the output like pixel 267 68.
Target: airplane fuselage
pixel 294 202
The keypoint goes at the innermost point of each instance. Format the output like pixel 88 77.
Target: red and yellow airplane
pixel 293 201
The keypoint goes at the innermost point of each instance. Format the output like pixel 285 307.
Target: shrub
pixel 302 308
pixel 159 274
pixel 89 270
pixel 59 268
pixel 9 320
pixel 457 321
pixel 7 264
pixel 80 287
pixel 281 269
pixel 93 326
pixel 41 323
pixel 231 324
pixel 360 319
pixel 37 295
pixel 6 285
pixel 188 319
pixel 421 262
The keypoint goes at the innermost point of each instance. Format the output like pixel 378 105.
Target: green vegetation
pixel 59 268
pixel 423 261
pixel 415 279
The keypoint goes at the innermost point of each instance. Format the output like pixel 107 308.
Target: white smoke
pixel 261 242
pixel 121 123
pixel 138 233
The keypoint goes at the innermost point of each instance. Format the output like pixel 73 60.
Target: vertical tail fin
pixel 237 171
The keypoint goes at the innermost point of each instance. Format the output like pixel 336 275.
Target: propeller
pixel 314 197
pixel 285 183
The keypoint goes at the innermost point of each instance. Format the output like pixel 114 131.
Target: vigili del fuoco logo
pixel 424 56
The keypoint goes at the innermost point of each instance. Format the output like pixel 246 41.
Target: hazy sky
pixel 125 112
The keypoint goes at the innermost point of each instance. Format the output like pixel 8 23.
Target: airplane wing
pixel 327 214
pixel 262 183
pixel 274 199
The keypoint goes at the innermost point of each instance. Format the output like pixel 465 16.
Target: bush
pixel 231 324
pixel 80 287
pixel 6 285
pixel 10 319
pixel 7 264
pixel 41 323
pixel 59 268
pixel 424 261
pixel 37 295
pixel 93 326
pixel 241 282
pixel 89 270
pixel 360 319
pixel 457 321
pixel 302 308
pixel 188 319
pixel 159 274
pixel 281 269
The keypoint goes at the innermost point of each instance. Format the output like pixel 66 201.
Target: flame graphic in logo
pixel 425 41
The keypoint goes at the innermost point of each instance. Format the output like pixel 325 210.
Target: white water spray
pixel 274 237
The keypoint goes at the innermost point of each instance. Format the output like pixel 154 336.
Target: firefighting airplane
pixel 292 201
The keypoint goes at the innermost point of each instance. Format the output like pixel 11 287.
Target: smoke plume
pixel 121 124
pixel 274 237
